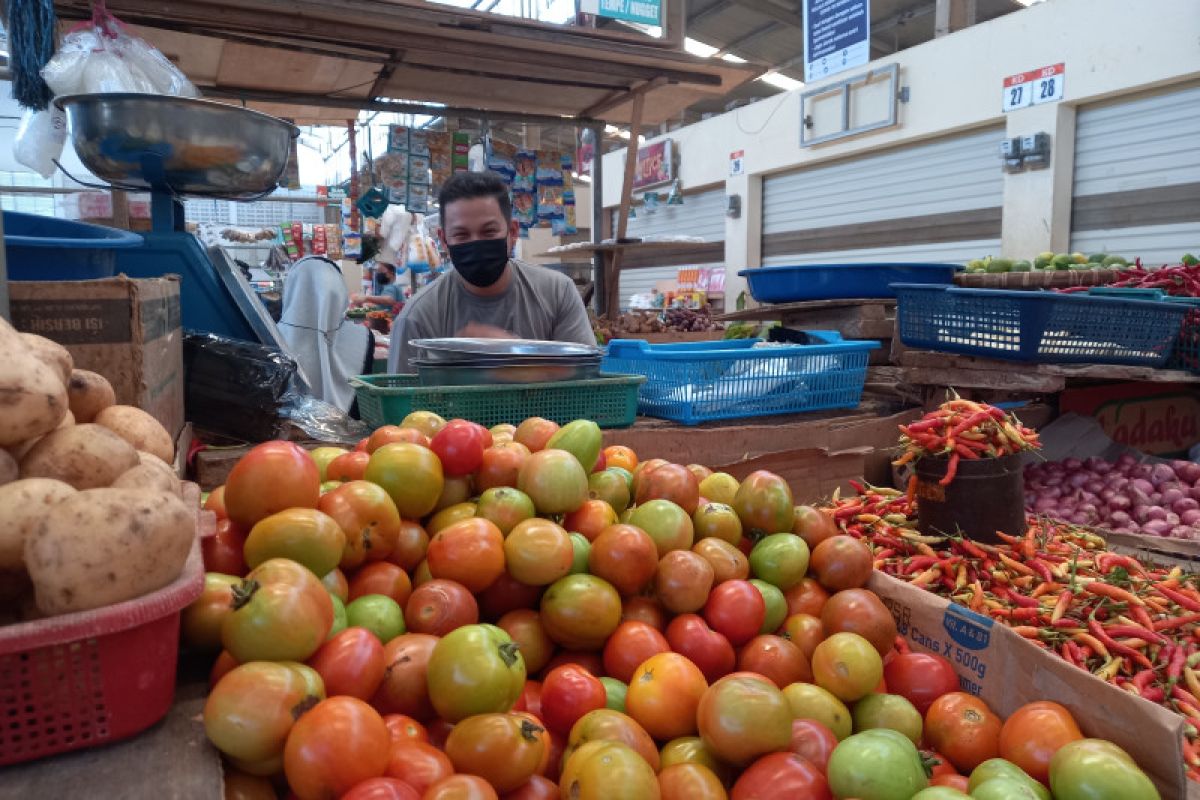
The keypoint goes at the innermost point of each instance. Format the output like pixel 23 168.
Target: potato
pixel 23 505
pixel 103 546
pixel 9 471
pixel 89 394
pixel 33 399
pixel 86 456
pixel 50 353
pixel 67 421
pixel 139 429
pixel 148 476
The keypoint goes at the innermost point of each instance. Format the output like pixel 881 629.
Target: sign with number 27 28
pixel 1032 88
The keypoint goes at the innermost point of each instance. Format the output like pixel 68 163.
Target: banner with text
pixel 837 36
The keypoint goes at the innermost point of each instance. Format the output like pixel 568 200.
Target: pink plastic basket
pixel 86 679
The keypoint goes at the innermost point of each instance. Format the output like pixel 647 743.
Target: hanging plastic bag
pixel 65 73
pixel 40 140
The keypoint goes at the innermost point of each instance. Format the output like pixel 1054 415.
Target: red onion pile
pixel 1125 496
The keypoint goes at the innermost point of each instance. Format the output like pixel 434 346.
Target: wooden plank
pixel 983 379
pixel 1161 205
pixel 613 265
pixel 867 308
pixel 952 226
pixel 709 253
pixel 622 97
pixel 932 360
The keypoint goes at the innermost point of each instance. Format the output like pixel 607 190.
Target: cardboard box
pixel 1156 418
pixel 127 330
pixel 1006 671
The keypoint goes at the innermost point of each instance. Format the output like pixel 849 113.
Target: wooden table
pixel 865 318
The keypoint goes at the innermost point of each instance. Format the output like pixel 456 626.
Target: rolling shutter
pixel 1137 177
pixel 938 201
pixel 702 214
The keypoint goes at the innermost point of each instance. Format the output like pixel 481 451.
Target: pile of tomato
pixel 454 613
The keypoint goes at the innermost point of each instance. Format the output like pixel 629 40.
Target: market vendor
pixel 488 293
pixel 385 289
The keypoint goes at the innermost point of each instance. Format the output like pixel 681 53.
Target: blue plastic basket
pixel 702 381
pixel 1040 327
pixel 47 249
pixel 837 281
pixel 1186 354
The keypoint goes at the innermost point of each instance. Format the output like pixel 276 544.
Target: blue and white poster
pixel 837 36
pixel 647 12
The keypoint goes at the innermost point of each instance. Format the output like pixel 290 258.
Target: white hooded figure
pixel 329 348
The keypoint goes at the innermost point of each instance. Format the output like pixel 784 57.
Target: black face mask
pixel 480 262
pixel 384 278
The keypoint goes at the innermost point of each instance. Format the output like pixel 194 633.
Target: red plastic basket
pixel 86 679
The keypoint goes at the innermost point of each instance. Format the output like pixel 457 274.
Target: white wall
pixel 1110 47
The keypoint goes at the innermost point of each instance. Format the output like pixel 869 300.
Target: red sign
pixel 654 165
pixel 1033 75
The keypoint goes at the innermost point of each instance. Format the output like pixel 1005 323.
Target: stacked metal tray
pixel 469 362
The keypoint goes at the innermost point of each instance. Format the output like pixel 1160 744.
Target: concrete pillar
pixel 743 235
pixel 1037 202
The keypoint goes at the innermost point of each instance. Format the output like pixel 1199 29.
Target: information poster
pixel 837 36
pixel 646 12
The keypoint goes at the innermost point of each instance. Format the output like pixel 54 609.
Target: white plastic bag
pixel 40 139
pixel 142 58
pixel 65 72
pixel 107 58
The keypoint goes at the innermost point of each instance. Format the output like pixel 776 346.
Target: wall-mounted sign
pixel 737 163
pixel 654 165
pixel 837 36
pixel 1035 87
pixel 646 12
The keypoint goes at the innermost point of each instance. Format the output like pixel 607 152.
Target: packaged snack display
pixel 418 142
pixel 440 162
pixel 397 139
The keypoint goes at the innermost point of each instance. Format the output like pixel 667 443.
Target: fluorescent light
pixel 780 81
pixel 699 48
pixel 732 59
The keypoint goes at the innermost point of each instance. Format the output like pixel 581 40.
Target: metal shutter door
pixel 702 214
pixel 1137 177
pixel 938 201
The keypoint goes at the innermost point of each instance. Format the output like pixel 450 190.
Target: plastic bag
pixel 40 140
pixel 66 72
pixel 104 57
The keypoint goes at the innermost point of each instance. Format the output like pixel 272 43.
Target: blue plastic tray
pixel 837 281
pixel 701 381
pixel 1040 327
pixel 47 249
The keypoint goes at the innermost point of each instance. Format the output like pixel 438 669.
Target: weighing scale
pixel 176 147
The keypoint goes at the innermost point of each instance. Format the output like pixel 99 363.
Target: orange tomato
pixel 503 749
pixel 590 519
pixel 690 781
pixel 1034 733
pixel 775 658
pixel 500 465
pixel 963 729
pixel 728 562
pixel 806 597
pixel 538 552
pixel 604 724
pixel 461 787
pixel 419 764
pixel 339 743
pixel 630 645
pixel 620 456
pixel 411 543
pixel 524 626
pixel 470 552
pixel 625 556
pixel 348 466
pixel 381 577
pixel 403 728
pixel 644 609
pixel 664 694
pixel 535 432
pixel 805 631
pixel 390 434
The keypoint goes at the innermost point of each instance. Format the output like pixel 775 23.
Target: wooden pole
pixel 353 143
pixel 613 278
pixel 600 297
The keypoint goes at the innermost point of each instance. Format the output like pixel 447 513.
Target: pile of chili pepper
pixel 961 429
pixel 1182 280
pixel 1134 625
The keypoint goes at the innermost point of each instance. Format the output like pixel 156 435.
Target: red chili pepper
pixel 1114 646
pixel 951 470
pixel 1134 632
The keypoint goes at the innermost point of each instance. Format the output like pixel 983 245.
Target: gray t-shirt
pixel 539 304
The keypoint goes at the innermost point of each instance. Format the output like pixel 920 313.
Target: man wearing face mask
pixel 488 293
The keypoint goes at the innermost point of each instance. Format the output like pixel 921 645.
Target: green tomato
pixel 321 456
pixel 475 669
pixel 379 614
pixel 583 549
pixel 340 620
pixel 1004 789
pixel 611 487
pixel 582 439
pixel 1093 769
pixel 614 694
pixel 940 793
pixel 876 765
pixel 888 711
pixel 776 605
pixel 329 486
pixel 624 473
pixel 995 768
pixel 780 559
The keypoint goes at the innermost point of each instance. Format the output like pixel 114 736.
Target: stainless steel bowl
pixel 178 144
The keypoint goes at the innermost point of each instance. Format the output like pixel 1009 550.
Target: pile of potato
pixel 90 510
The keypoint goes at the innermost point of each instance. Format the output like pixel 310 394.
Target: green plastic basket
pixel 611 401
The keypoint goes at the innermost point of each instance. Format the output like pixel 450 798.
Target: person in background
pixel 488 294
pixel 328 348
pixel 385 288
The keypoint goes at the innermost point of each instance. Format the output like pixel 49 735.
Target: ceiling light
pixel 698 48
pixel 781 81
pixel 732 59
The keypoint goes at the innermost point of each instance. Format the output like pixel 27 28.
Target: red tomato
pixel 348 466
pixel 419 764
pixel 737 610
pixel 536 788
pixel 955 781
pixel 587 661
pixel 341 742
pixel 690 636
pixel 683 581
pixel 403 728
pixel 220 668
pixel 644 609
pixel 224 552
pixel 390 434
pixel 938 763
pixel 507 594
pixel 524 625
pixel 781 775
pixel 215 502
pixel 775 658
pixel 439 731
pixel 964 729
pixel 411 543
pixel 461 787
pixel 368 517
pixel 590 519
pixel 470 552
pixel 530 700
pixel 438 607
pixel 806 597
pixel 382 789
pixel 569 692
pixel 920 678
pixel 500 465
pixel 381 577
pixel 813 741
pixel 272 477
pixel 504 749
pixel 861 611
pixel 361 446
pixel 670 482
pixel 624 556
pixel 351 663
pixel 459 446
pixel 535 432
pixel 1034 733
pixel 629 646
pixel 406 664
